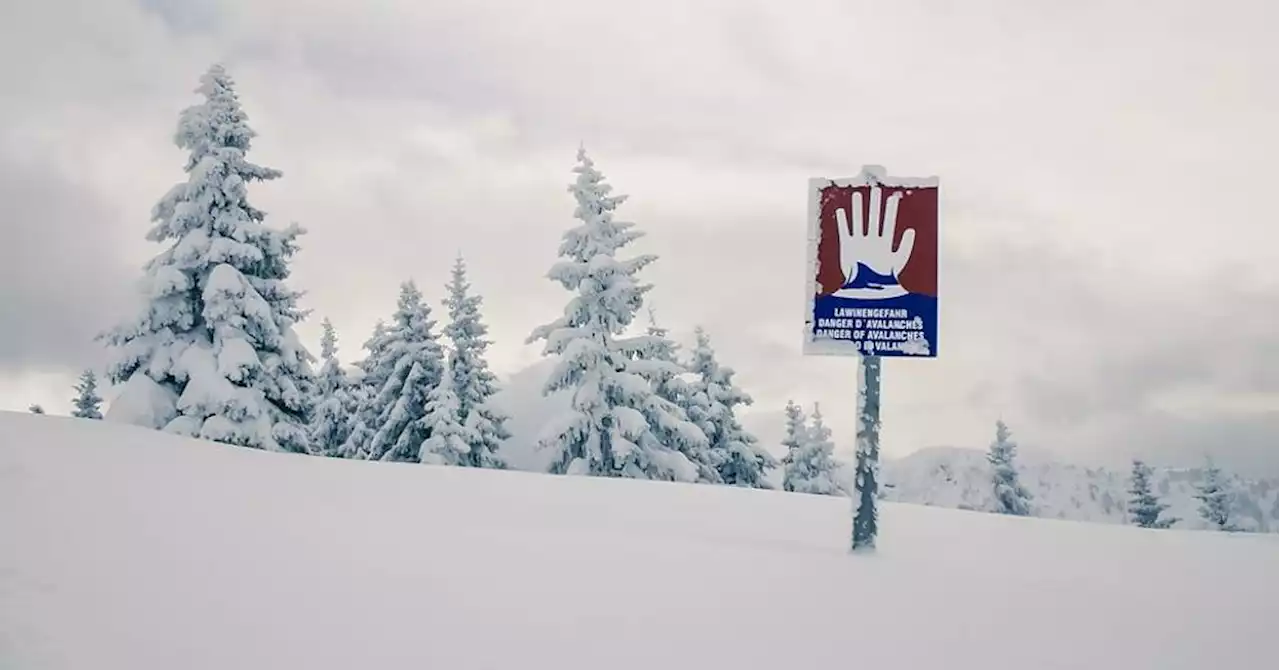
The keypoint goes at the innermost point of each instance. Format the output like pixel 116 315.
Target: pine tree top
pixel 87 403
pixel 464 310
pixel 1003 448
pixel 819 432
pixel 328 340
pixel 599 234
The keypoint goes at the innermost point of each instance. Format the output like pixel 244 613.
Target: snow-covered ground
pixel 126 548
pixel 961 478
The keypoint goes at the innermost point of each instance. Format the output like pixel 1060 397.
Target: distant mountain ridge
pixel 960 478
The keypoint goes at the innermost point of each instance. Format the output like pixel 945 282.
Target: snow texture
pixel 126 548
pixel 217 328
pixel 617 426
pixel 143 402
pixel 736 453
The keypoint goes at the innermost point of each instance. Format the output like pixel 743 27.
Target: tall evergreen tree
pixel 217 331
pixel 1214 497
pixel 1145 507
pixel 1010 496
pixel 809 466
pixel 331 420
pixel 618 426
pixel 88 404
pixel 406 362
pixel 472 384
pixel 739 458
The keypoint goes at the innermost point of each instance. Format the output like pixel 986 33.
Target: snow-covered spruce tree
pixel 1214 497
pixel 616 426
pixel 473 385
pixel 793 440
pixel 87 404
pixel 450 441
pixel 658 359
pixel 1145 507
pixel 810 468
pixel 362 390
pixel 738 456
pixel 1010 496
pixel 331 420
pixel 215 339
pixel 405 363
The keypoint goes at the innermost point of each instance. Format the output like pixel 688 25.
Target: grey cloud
pixel 60 281
pixel 1245 444
pixel 186 16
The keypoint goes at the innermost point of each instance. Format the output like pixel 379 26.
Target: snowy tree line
pixel 1144 506
pixel 213 353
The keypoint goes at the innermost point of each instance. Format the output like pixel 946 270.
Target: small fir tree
pixel 450 441
pixel 363 390
pixel 331 421
pixel 809 466
pixel 793 441
pixel 739 458
pixel 1010 496
pixel 1145 508
pixel 1214 497
pixel 87 404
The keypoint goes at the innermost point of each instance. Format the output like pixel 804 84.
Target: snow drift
pixel 129 548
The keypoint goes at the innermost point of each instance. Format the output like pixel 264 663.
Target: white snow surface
pixel 143 402
pixel 130 548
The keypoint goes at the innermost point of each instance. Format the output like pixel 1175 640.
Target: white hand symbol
pixel 873 247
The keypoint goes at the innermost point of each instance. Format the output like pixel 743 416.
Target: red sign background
pixel 918 210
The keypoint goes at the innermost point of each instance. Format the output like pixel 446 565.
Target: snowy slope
pixel 130 549
pixel 960 478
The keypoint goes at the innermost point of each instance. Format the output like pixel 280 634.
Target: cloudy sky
pixel 1109 174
